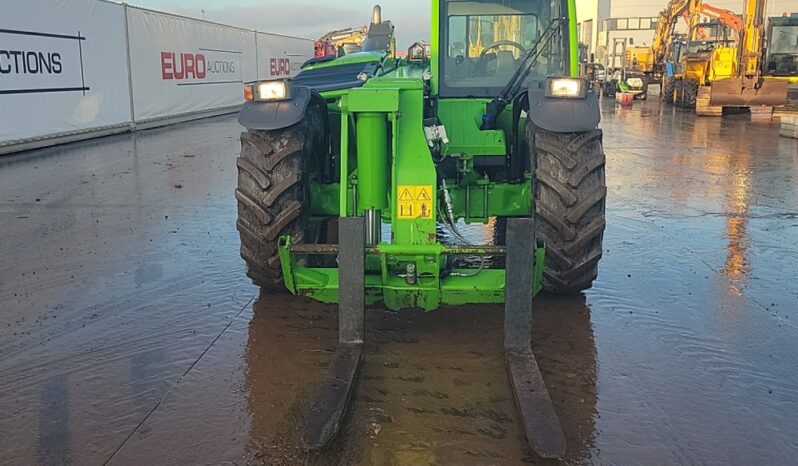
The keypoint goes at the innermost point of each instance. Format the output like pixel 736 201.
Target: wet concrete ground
pixel 129 334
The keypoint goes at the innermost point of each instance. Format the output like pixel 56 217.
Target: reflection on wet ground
pixel 433 388
pixel 129 334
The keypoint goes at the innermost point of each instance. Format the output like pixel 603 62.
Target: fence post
pixel 257 59
pixel 129 71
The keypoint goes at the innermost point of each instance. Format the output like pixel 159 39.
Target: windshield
pixel 484 42
pixel 708 36
pixel 784 39
pixel 701 47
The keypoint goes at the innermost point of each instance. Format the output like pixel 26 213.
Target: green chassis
pixel 388 110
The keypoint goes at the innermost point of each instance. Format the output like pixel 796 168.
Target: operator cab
pixel 709 36
pixel 782 51
pixel 483 43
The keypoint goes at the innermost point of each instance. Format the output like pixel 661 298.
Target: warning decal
pixel 415 201
pixel 406 194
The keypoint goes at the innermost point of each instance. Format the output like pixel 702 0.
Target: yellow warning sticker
pixel 415 201
pixel 406 194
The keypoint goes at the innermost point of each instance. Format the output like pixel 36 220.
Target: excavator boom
pixel 666 23
pixel 329 43
pixel 726 17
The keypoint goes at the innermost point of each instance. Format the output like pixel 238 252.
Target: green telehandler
pixel 349 170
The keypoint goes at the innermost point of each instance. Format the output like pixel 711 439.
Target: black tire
pixel 668 89
pixel 570 198
pixel 689 93
pixel 274 173
pixel 678 91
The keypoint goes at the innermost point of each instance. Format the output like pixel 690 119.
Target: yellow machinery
pixel 664 35
pixel 651 59
pixel 640 59
pixel 748 86
pixel 340 42
pixel 656 61
pixel 689 66
pixel 781 59
pixel 727 17
pixel 666 23
pixel 482 34
pixel 710 55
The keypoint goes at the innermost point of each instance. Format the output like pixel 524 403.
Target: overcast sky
pixel 304 18
pixel 312 18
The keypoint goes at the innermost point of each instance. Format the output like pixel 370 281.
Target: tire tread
pixel 271 192
pixel 570 198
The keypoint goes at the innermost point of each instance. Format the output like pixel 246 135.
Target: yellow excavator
pixel 340 42
pixel 749 86
pixel 781 57
pixel 709 55
pixel 667 58
pixel 651 60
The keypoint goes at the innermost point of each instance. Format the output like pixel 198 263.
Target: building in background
pixel 607 27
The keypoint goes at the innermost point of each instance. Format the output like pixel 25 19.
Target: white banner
pixel 281 56
pixel 62 67
pixel 181 65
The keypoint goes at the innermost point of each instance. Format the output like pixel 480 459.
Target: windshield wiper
pixel 496 106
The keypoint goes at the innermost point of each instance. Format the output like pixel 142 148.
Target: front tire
pixel 678 96
pixel 570 198
pixel 689 93
pixel 274 173
pixel 668 89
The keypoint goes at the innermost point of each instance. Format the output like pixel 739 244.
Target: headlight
pixel 569 88
pixel 271 90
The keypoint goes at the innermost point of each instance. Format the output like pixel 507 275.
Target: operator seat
pixel 459 67
pixel 505 62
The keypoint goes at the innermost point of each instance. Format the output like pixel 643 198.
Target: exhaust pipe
pixel 376 15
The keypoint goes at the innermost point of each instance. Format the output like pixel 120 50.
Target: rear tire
pixel 274 173
pixel 570 197
pixel 689 93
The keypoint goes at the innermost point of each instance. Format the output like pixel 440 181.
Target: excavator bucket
pixel 737 93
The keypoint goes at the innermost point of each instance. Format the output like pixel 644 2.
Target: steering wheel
pixel 498 44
